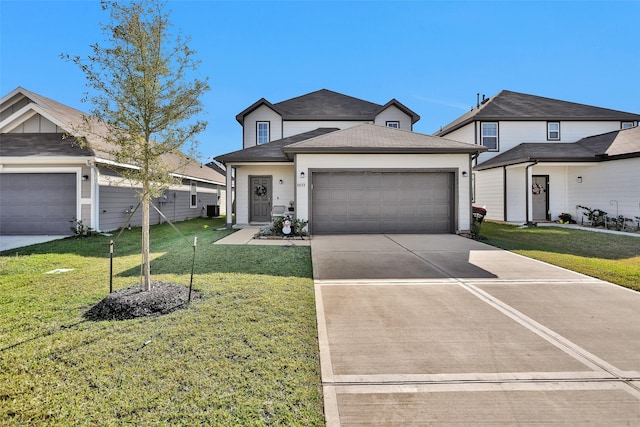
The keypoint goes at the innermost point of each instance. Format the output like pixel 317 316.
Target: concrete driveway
pixel 439 329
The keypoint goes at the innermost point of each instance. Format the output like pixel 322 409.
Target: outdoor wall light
pixel 579 180
pixel 281 182
pixel 464 174
pixel 85 177
pixel 302 175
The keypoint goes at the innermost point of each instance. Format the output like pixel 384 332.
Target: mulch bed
pixel 132 302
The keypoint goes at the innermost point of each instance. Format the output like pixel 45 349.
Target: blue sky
pixel 433 56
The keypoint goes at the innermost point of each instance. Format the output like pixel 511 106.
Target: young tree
pixel 145 99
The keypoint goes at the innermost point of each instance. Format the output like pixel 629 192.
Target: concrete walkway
pixel 14 242
pixel 437 330
pixel 245 236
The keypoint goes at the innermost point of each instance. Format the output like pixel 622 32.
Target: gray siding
pixel 117 202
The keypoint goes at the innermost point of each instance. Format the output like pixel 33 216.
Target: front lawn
pixel 245 354
pixel 610 257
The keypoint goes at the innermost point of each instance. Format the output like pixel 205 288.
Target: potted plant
pixel 565 218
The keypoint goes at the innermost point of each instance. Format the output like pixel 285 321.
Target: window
pixel 553 131
pixel 193 192
pixel 490 136
pixel 262 132
pixel 626 125
pixel 395 125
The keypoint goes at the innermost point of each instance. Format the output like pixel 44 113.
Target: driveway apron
pixel 440 329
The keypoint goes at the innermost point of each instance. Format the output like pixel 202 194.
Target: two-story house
pixel 47 179
pixel 545 157
pixel 348 166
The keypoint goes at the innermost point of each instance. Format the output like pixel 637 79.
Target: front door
pixel 260 198
pixel 540 195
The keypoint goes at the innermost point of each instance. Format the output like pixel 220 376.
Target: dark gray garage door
pixel 37 203
pixel 382 202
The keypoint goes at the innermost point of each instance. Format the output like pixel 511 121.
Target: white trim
pixel 230 195
pixel 193 178
pixel 233 165
pixel 34 107
pixel 497 135
pixel 76 170
pixel 30 160
pixel 549 131
pixel 268 124
pixel 95 196
pixel 193 184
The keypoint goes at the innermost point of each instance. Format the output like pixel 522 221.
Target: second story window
pixel 395 125
pixel 626 125
pixel 553 131
pixel 262 129
pixel 490 136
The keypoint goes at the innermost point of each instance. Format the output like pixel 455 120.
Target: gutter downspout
pixel 505 194
pixel 95 195
pixel 472 196
pixel 229 196
pixel 527 193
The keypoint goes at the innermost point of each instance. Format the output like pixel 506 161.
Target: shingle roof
pixel 327 105
pixel 271 151
pixel 40 144
pixel 508 105
pixel 69 119
pixel 363 138
pixel 607 146
pixel 369 138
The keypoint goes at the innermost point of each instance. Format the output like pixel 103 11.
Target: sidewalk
pixel 245 236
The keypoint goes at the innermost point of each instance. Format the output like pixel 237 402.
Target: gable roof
pixel 271 151
pixel 370 138
pixel 508 105
pixel 624 143
pixel 363 138
pixel 70 119
pixel 323 105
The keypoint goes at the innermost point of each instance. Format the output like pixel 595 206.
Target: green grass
pixel 246 354
pixel 610 257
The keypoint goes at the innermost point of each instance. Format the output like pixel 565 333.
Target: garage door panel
pixel 374 210
pixel 354 196
pixel 37 203
pixel 382 202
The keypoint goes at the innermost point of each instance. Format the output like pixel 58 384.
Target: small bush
pixel 478 216
pixel 298 227
pixel 566 218
pixel 79 229
pixel 596 217
pixel 619 222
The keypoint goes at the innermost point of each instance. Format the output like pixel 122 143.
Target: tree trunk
pixel 146 269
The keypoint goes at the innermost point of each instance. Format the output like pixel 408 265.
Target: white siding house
pixel 350 166
pixel 540 153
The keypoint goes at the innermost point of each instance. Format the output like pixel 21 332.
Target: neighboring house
pixel 545 157
pixel 348 166
pixel 47 180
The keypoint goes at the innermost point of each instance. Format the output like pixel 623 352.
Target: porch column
pixel 230 196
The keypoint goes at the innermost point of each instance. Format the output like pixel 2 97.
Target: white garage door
pixel 37 203
pixel 382 202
